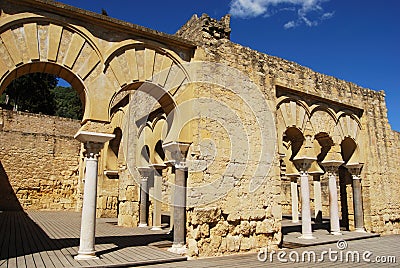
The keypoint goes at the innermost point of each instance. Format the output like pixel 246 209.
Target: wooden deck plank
pixel 20 253
pixel 123 258
pixel 13 242
pixel 50 239
pixel 3 242
pixel 29 261
pixel 70 258
pixel 32 245
pixel 12 248
pixel 6 238
pixel 3 228
pixel 108 257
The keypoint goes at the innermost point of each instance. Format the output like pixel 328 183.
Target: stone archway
pixel 77 46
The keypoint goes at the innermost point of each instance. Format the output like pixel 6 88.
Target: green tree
pixel 68 103
pixel 39 93
pixel 32 93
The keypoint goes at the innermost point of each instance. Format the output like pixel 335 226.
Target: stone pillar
pixel 315 171
pixel 295 199
pixel 157 196
pixel 333 203
pixel 303 160
pixel 293 174
pixel 358 205
pixel 355 170
pixel 177 152
pixel 145 173
pixel 306 229
pixel 180 205
pixel 317 198
pixel 332 161
pixel 93 143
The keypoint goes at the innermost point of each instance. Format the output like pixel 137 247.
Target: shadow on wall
pixel 8 199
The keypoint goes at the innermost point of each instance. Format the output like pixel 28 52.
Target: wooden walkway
pixel 51 239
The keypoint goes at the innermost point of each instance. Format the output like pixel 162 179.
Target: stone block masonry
pixel 39 159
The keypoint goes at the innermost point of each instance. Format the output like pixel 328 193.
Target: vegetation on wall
pixel 39 93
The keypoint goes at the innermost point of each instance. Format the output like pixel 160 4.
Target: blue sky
pixel 353 40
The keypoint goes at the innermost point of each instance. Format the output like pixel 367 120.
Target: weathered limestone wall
pixel 40 159
pixel 384 187
pixel 233 196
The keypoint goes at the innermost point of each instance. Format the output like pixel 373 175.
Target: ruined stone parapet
pixel 205 29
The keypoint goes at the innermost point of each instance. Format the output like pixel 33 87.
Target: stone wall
pixel 384 197
pixel 40 161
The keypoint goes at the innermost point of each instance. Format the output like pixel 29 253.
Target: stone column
pixel 177 154
pixel 306 229
pixel 331 163
pixel 295 199
pixel 358 206
pixel 355 170
pixel 333 202
pixel 317 198
pixel 180 205
pixel 303 160
pixel 145 173
pixel 157 196
pixel 93 143
pixel 315 171
pixel 292 173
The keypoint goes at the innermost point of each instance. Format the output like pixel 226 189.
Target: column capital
pixel 303 164
pixel 93 137
pixel 145 172
pixel 176 150
pixel 355 169
pixel 158 166
pixel 176 153
pixel 332 166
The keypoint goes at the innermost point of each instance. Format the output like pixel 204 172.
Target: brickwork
pixel 40 159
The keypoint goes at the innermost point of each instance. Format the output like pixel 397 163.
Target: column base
pixel 178 249
pixel 142 225
pixel 295 221
pixel 306 236
pixel 336 233
pixel 156 228
pixel 86 256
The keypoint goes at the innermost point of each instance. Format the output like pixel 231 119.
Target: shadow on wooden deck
pixel 51 239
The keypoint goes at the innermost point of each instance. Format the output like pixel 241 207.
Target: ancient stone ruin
pixel 223 139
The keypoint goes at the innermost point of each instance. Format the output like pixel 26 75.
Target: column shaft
pixel 317 199
pixel 157 199
pixel 180 207
pixel 333 205
pixel 295 200
pixel 306 229
pixel 358 206
pixel 88 223
pixel 143 209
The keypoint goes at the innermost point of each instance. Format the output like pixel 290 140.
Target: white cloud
pixel 290 24
pixel 309 12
